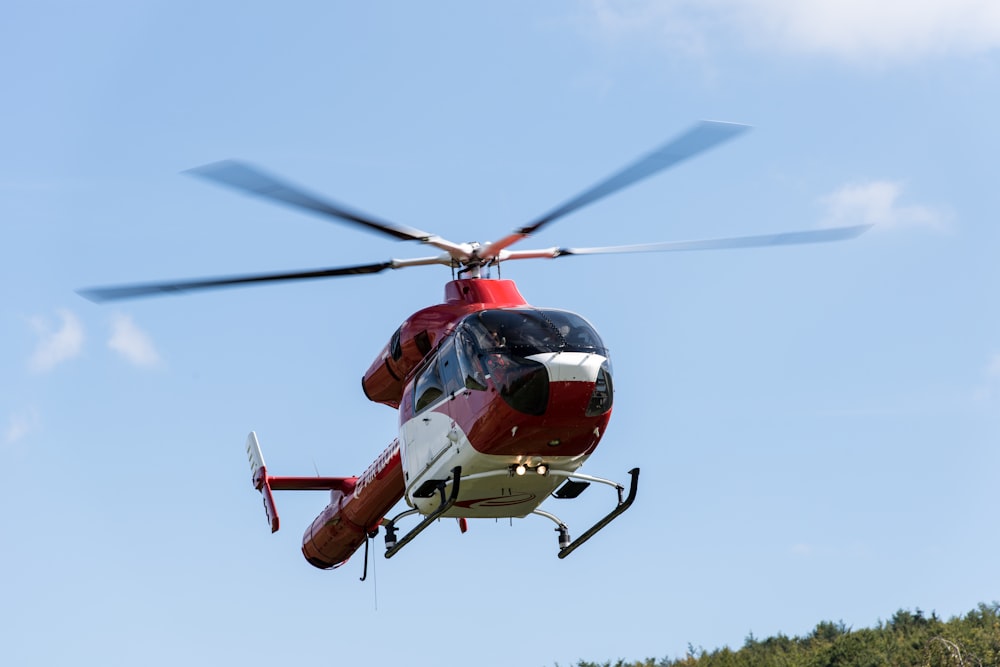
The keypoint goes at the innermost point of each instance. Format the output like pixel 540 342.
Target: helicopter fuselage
pixel 517 397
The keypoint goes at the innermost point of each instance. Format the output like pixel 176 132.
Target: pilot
pixel 498 340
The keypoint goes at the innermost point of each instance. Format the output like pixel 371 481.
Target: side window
pixel 448 368
pixel 395 348
pixel 428 388
pixel 468 361
pixel 458 365
pixel 455 367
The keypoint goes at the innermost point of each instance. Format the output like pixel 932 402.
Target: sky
pixel 816 426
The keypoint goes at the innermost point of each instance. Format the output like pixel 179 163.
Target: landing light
pixel 520 469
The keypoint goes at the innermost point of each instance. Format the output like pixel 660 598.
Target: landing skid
pixel 392 545
pixel 566 547
pixel 575 483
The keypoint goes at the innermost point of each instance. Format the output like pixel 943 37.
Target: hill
pixel 908 639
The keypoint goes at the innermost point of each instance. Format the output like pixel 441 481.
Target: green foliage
pixel 908 639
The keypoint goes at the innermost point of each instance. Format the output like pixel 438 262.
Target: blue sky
pixel 817 426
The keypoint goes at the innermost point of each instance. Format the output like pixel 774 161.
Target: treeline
pixel 908 639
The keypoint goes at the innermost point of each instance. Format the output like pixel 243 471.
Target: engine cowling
pixel 384 380
pixel 417 336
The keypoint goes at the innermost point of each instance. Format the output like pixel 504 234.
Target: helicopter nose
pixel 571 366
pixel 578 382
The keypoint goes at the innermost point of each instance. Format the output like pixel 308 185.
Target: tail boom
pixel 357 504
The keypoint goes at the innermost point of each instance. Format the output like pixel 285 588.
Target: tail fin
pixel 261 481
pixel 266 483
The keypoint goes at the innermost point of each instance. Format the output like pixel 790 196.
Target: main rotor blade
pixel 251 180
pixel 115 293
pixel 758 241
pixel 701 137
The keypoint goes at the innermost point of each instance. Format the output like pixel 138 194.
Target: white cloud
pixel 802 550
pixel 877 203
pixel 133 344
pixel 860 31
pixel 21 425
pixel 884 30
pixel 993 368
pixel 56 346
pixel 987 389
pixel 675 25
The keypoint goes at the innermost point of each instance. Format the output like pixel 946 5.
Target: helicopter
pixel 500 403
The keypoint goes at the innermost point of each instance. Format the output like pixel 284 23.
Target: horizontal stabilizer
pixel 342 484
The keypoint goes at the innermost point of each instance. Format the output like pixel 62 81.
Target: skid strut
pixel 392 545
pixel 565 546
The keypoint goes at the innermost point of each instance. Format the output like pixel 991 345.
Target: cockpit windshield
pixel 523 332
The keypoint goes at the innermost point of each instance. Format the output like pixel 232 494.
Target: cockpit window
pixel 498 342
pixel 526 331
pixel 428 389
pixel 469 362
pixel 506 338
pixel 454 367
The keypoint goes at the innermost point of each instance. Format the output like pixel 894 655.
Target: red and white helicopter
pixel 500 403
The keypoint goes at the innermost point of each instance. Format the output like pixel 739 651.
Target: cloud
pixel 673 24
pixel 56 346
pixel 802 550
pixel 21 425
pixel 857 31
pixel 987 389
pixel 887 30
pixel 133 344
pixel 993 368
pixel 876 203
